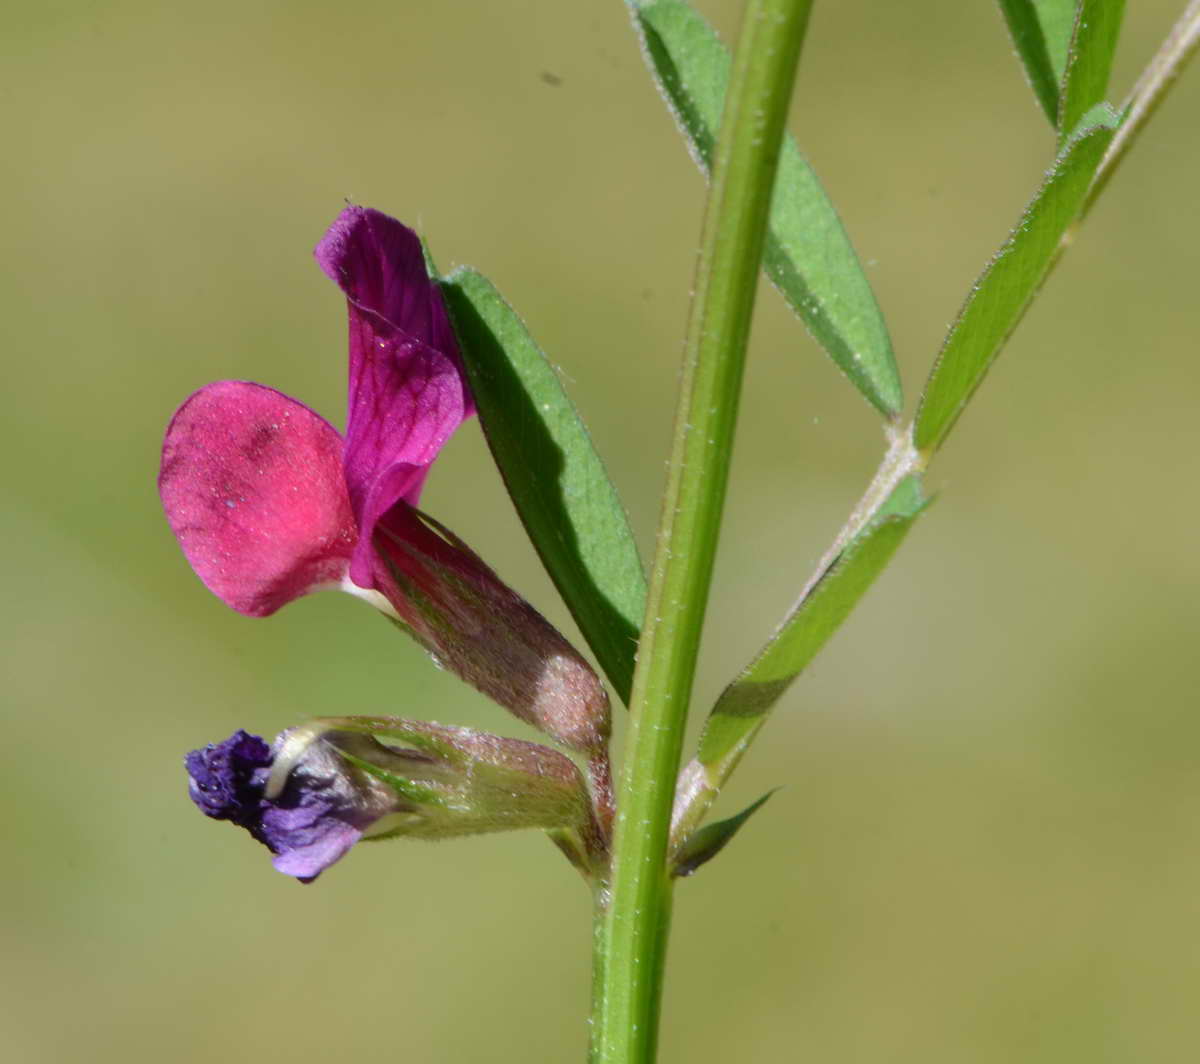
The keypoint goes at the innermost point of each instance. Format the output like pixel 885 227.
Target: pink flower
pixel 269 502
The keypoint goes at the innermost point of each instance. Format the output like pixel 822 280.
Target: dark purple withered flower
pixel 318 790
pixel 322 811
pixel 269 502
pixel 227 779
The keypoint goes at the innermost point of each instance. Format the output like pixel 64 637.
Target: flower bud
pixel 320 788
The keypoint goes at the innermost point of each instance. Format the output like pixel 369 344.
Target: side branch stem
pixel 699 785
pixel 900 459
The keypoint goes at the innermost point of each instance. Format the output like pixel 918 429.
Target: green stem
pixel 632 933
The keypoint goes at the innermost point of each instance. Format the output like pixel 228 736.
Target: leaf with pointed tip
pixel 558 484
pixel 705 843
pixel 1008 284
pixel 1089 62
pixel 808 255
pixel 744 705
pixel 1041 31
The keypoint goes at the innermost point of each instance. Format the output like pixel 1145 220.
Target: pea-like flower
pixel 319 789
pixel 269 502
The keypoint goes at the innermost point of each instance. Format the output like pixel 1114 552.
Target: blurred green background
pixel 986 848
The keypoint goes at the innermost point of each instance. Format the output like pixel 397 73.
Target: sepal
pixel 472 623
pixel 457 781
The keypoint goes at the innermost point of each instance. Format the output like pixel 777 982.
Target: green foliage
pixel 705 843
pixel 744 705
pixel 1008 284
pixel 1089 63
pixel 1041 31
pixel 1067 50
pixel 558 484
pixel 807 255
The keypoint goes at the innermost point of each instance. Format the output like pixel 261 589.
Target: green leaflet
pixel 744 705
pixel 705 843
pixel 1041 31
pixel 557 482
pixel 1089 63
pixel 808 256
pixel 1008 284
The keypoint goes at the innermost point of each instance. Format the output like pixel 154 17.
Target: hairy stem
pixel 632 930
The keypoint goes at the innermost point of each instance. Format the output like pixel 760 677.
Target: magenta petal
pixel 407 388
pixel 252 485
pixel 405 401
pixel 378 262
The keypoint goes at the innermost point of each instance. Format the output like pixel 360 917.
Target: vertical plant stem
pixel 632 933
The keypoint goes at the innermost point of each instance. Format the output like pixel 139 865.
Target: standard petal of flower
pixel 405 401
pixel 377 261
pixel 253 488
pixel 407 387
